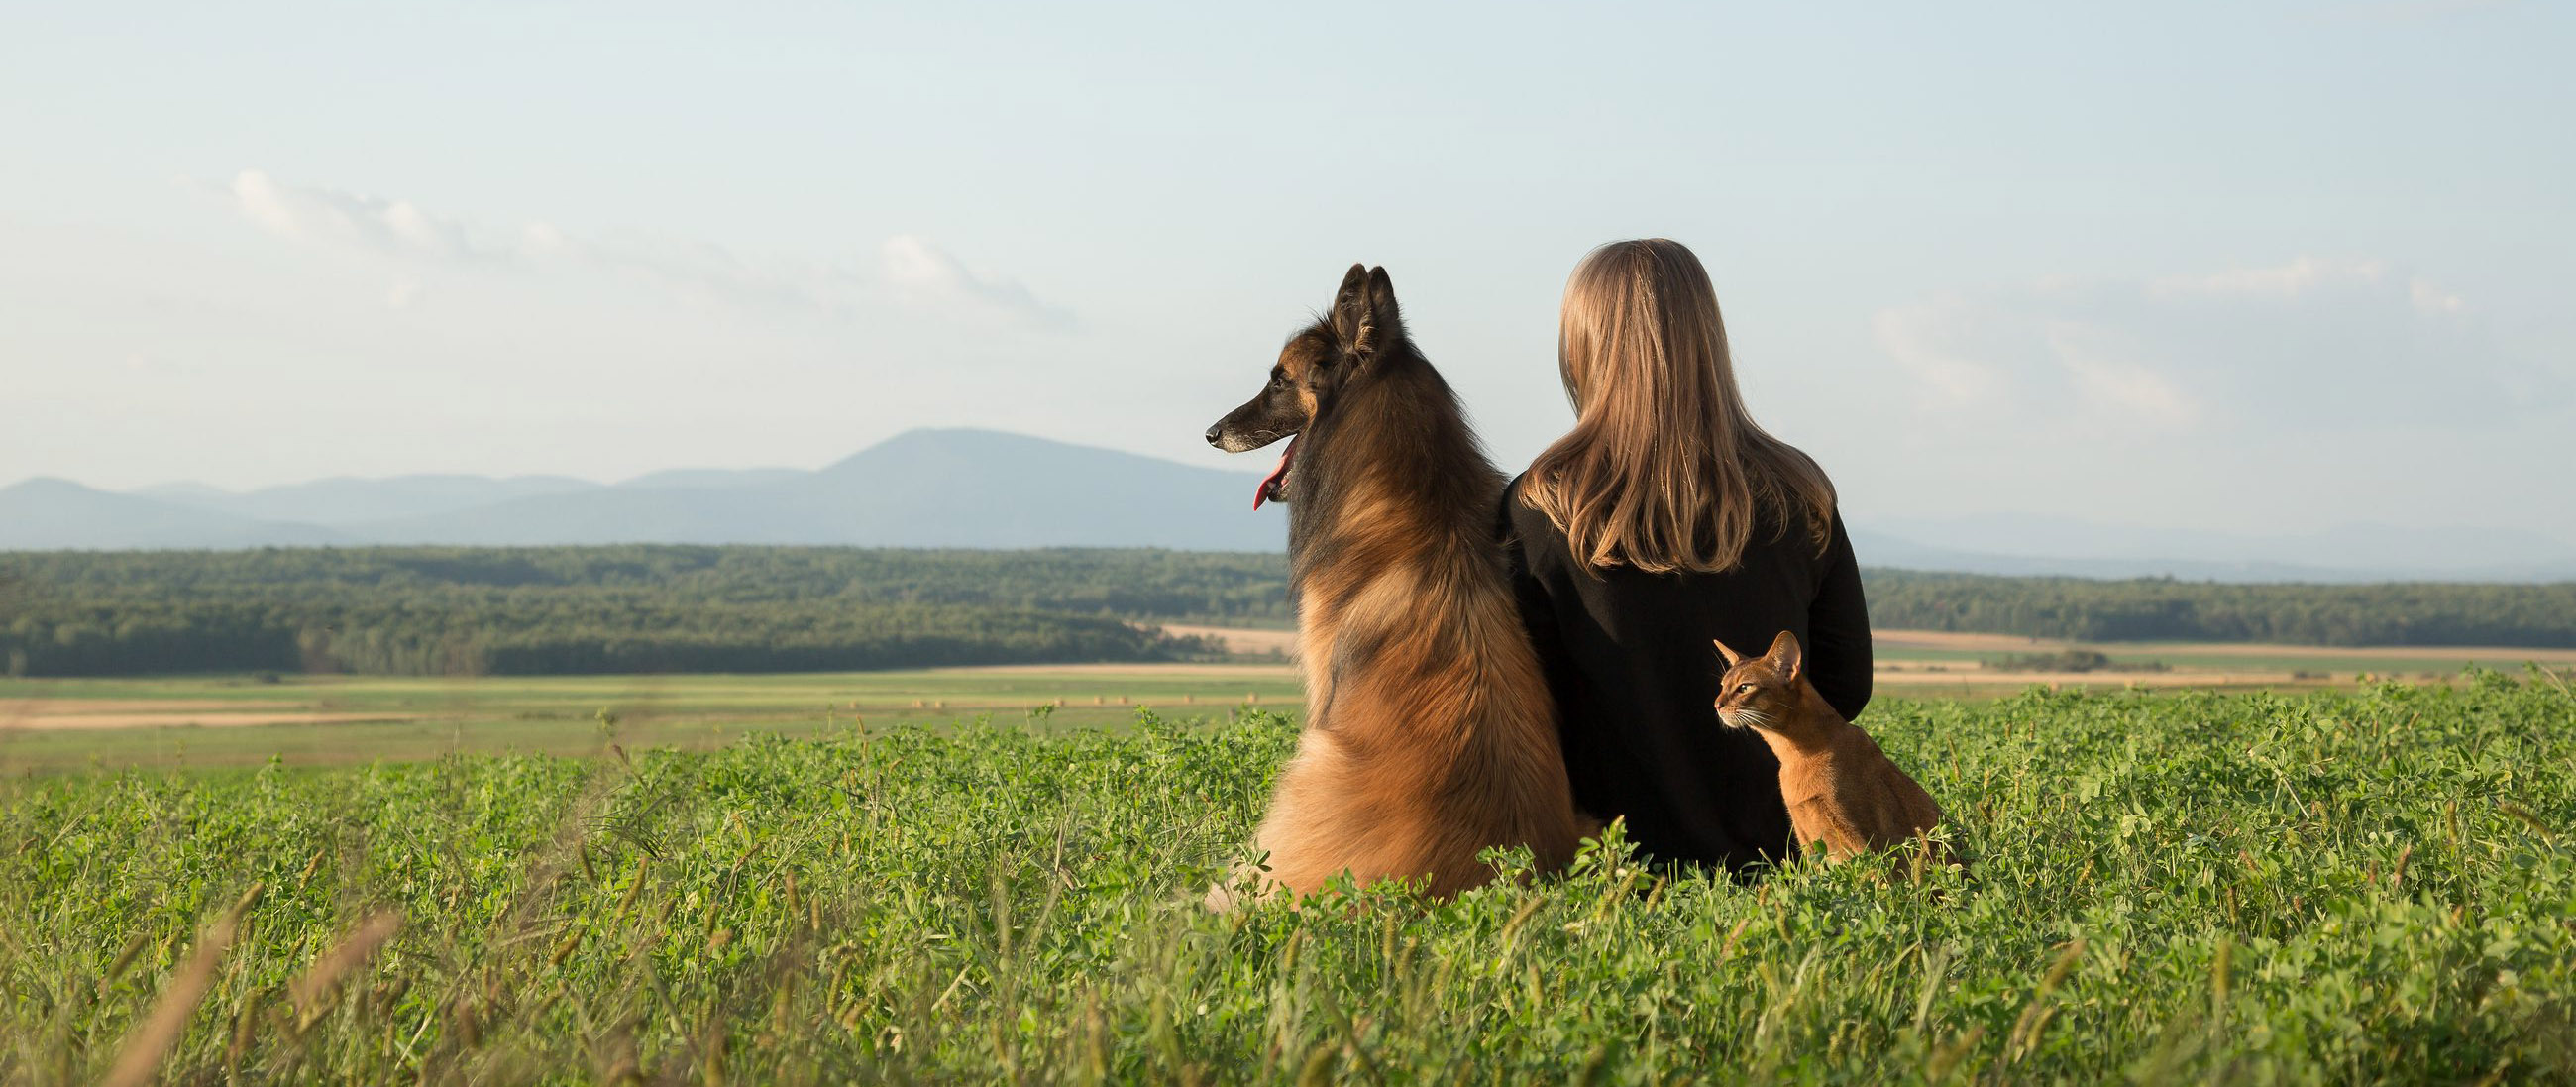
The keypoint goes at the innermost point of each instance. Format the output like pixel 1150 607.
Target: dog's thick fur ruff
pixel 1430 733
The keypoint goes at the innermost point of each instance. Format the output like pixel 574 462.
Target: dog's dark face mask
pixel 1316 363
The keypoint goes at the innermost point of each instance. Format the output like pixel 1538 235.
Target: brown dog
pixel 1840 788
pixel 1430 734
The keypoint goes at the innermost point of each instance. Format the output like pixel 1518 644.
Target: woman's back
pixel 1665 518
pixel 1628 659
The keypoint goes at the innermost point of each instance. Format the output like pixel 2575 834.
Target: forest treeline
pixel 647 608
pixel 2163 609
pixel 540 611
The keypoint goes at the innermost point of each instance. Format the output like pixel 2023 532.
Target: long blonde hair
pixel 1664 469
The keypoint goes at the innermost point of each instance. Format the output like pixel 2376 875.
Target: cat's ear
pixel 1731 657
pixel 1784 654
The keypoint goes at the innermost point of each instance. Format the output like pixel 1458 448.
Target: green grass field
pixel 2373 886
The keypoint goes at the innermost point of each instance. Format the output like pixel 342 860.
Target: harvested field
pixel 1193 671
pixel 1242 641
pixel 11 708
pixel 2365 655
pixel 52 724
pixel 1980 677
pixel 43 717
pixel 1899 641
pixel 1952 640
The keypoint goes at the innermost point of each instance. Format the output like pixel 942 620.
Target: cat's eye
pixel 1742 688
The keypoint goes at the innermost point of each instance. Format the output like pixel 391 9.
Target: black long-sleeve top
pixel 1628 658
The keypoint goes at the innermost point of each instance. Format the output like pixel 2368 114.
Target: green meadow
pixel 2371 885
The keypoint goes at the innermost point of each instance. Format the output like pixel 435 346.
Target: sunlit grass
pixel 2244 888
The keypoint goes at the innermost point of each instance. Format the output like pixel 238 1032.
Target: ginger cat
pixel 1840 788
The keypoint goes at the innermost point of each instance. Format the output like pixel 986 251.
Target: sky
pixel 2248 267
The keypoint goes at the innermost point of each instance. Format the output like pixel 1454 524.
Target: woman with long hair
pixel 1664 519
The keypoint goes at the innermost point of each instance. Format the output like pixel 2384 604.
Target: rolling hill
pixel 47 514
pixel 989 489
pixel 922 488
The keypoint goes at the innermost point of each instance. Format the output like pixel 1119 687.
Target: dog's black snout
pixel 1215 433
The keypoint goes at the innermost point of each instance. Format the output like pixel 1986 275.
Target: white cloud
pixel 542 239
pixel 925 277
pixel 912 275
pixel 2310 344
pixel 2412 10
pixel 328 215
pixel 2432 299
pixel 2111 384
pixel 2299 277
pixel 1923 338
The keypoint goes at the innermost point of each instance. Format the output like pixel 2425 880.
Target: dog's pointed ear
pixel 1382 312
pixel 1730 656
pixel 1784 654
pixel 1351 310
pixel 1364 311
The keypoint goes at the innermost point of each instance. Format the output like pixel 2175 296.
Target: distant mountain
pixel 981 488
pixel 922 488
pixel 714 478
pixel 346 500
pixel 55 514
pixel 1029 492
pixel 749 515
pixel 187 490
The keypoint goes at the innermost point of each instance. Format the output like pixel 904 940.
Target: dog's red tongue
pixel 1269 488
